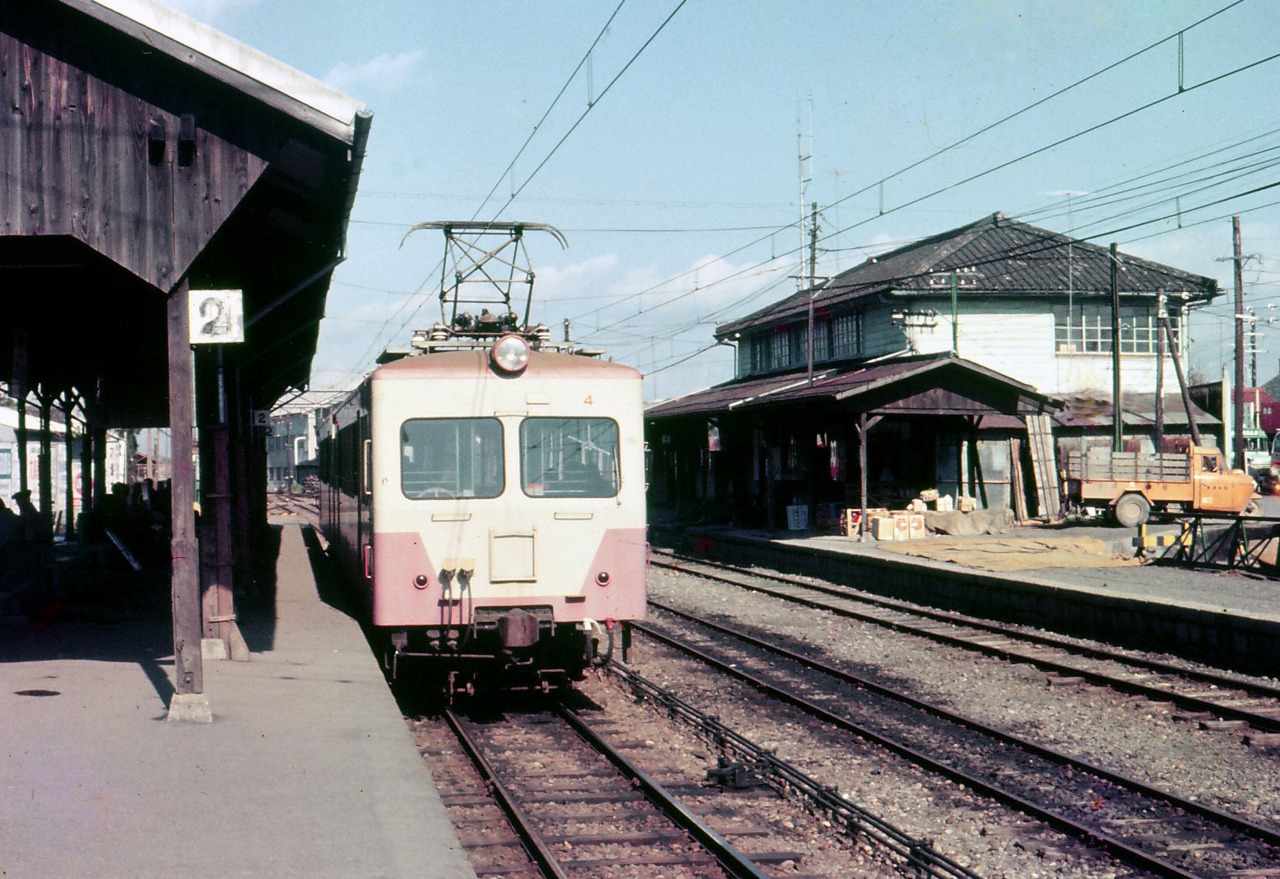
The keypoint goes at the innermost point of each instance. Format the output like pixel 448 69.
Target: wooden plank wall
pixel 74 160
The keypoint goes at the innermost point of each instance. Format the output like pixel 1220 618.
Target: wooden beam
pixel 188 667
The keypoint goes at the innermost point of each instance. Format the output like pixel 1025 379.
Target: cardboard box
pixel 901 526
pixel 915 526
pixel 882 527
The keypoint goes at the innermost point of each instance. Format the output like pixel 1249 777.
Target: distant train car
pixel 488 496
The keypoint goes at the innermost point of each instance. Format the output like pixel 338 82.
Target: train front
pixel 508 528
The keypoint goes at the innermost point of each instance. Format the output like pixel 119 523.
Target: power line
pixel 970 137
pixel 594 103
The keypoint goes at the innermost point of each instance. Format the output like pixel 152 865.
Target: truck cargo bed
pixel 1104 465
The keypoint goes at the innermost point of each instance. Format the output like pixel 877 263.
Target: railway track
pixel 293 505
pixel 1213 699
pixel 1142 826
pixel 542 793
pixel 525 794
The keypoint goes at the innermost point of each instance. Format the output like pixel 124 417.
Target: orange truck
pixel 1131 484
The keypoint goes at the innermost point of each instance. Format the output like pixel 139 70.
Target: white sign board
pixel 217 316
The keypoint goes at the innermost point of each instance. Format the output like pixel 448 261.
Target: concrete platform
pixel 307 769
pixel 1221 618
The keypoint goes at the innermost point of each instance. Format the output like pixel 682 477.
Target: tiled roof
pixel 995 256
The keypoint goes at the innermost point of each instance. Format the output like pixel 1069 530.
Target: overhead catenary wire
pixel 592 105
pixel 964 140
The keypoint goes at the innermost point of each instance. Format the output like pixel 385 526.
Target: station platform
pixel 1225 618
pixel 307 770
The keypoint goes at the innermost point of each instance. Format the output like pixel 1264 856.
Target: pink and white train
pixel 488 495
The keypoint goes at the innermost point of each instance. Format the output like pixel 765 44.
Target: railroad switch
pixel 739 775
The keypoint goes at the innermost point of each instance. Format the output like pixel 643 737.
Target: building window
pixel 1086 329
pixel 846 335
pixel 758 361
pixel 780 348
pixel 799 348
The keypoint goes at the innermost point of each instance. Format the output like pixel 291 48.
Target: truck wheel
pixel 1132 510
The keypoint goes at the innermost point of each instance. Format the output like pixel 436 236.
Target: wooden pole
pixel 188 702
pixel 1238 259
pixel 1160 315
pixel 69 488
pixel 1182 383
pixel 862 475
pixel 1117 404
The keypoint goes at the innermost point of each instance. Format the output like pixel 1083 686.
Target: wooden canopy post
pixel 100 487
pixel 69 489
pixel 20 395
pixel 45 463
pixel 864 424
pixel 189 701
pixel 216 544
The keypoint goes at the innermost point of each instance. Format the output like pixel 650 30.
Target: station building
pixel 964 362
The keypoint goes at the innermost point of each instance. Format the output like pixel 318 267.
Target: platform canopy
pixel 142 152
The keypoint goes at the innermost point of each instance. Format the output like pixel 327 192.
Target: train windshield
pixel 451 458
pixel 569 457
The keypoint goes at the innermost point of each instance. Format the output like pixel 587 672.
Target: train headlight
pixel 510 354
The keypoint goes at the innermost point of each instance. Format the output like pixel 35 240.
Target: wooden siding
pixel 879 335
pixel 74 162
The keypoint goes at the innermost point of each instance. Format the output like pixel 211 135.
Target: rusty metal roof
pixel 995 256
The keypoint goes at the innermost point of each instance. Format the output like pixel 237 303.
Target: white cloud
pixel 386 73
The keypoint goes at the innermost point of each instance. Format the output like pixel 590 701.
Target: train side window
pixel 569 457
pixel 446 458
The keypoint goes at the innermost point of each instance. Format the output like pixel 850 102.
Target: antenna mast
pixel 803 160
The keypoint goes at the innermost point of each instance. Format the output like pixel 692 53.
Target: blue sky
pixel 679 188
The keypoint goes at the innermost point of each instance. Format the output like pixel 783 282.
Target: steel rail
pixel 1235 822
pixel 519 820
pixel 1138 688
pixel 918 854
pixel 1111 844
pixel 733 861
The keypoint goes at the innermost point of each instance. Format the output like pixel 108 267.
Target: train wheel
pixel 1132 510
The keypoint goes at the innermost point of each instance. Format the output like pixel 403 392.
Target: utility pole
pixel 813 281
pixel 1238 259
pixel 955 317
pixel 1160 317
pixel 1117 409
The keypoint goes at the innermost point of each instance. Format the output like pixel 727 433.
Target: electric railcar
pixel 488 497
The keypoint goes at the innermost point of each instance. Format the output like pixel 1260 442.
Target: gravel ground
pixel 1128 735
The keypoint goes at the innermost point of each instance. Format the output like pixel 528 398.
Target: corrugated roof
pixel 994 256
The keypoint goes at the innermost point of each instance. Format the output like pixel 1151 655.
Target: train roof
pixel 473 364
